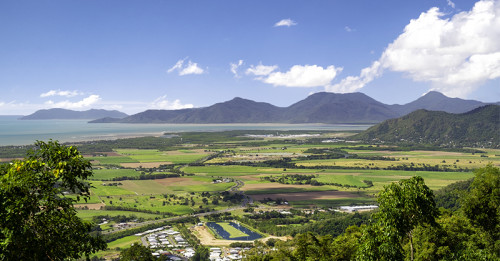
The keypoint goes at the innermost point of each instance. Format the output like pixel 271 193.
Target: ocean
pixel 24 132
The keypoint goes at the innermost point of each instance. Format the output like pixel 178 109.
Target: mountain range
pixel 479 127
pixel 323 107
pixel 64 114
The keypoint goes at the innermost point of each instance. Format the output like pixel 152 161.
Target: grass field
pixel 124 242
pixel 108 174
pixel 89 214
pixel 176 157
pixel 233 232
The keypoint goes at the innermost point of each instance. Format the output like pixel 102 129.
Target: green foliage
pixel 449 196
pixel 37 221
pixel 402 207
pixel 482 204
pixel 137 252
pixel 201 254
pixel 478 127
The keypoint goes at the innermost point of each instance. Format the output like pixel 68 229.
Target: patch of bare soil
pixel 9 159
pixel 95 206
pixel 274 185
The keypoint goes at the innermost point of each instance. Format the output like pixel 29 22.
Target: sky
pixel 167 54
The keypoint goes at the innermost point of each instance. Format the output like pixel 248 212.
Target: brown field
pixel 275 185
pixel 145 164
pixel 95 206
pixel 9 159
pixel 299 196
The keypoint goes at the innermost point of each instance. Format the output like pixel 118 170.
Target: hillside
pixel 478 127
pixel 63 114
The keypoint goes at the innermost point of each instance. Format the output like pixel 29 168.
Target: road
pixel 235 189
pixel 145 223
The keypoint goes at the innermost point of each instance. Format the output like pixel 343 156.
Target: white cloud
pixel 348 29
pixel 297 76
pixel 86 102
pixel 455 55
pixel 285 22
pixel 354 83
pixel 189 68
pixel 450 3
pixel 60 93
pixel 261 70
pixel 177 66
pixel 164 104
pixel 235 66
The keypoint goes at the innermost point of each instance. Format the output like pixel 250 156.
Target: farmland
pixel 231 173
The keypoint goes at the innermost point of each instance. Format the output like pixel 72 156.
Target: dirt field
pixel 275 185
pixel 95 206
pixel 298 196
pixel 145 164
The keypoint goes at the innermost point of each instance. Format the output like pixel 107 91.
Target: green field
pixel 175 157
pixel 233 232
pixel 89 214
pixel 108 174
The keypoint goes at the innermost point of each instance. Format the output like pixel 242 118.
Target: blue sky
pixel 161 54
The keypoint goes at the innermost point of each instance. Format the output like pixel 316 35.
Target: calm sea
pixel 24 132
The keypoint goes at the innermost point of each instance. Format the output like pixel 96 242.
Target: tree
pixel 482 205
pixel 201 254
pixel 402 207
pixel 37 220
pixel 137 252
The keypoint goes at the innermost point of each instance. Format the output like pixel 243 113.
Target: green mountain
pixel 479 127
pixel 63 114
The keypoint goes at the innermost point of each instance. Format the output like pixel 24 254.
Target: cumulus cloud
pixel 186 69
pixel 86 102
pixel 454 54
pixel 60 93
pixel 297 76
pixel 235 66
pixel 348 29
pixel 261 70
pixel 164 104
pixel 285 22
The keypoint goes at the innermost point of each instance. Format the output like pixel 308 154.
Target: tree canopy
pixel 37 217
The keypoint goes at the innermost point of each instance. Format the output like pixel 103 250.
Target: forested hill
pixel 477 127
pixel 64 114
pixel 322 107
